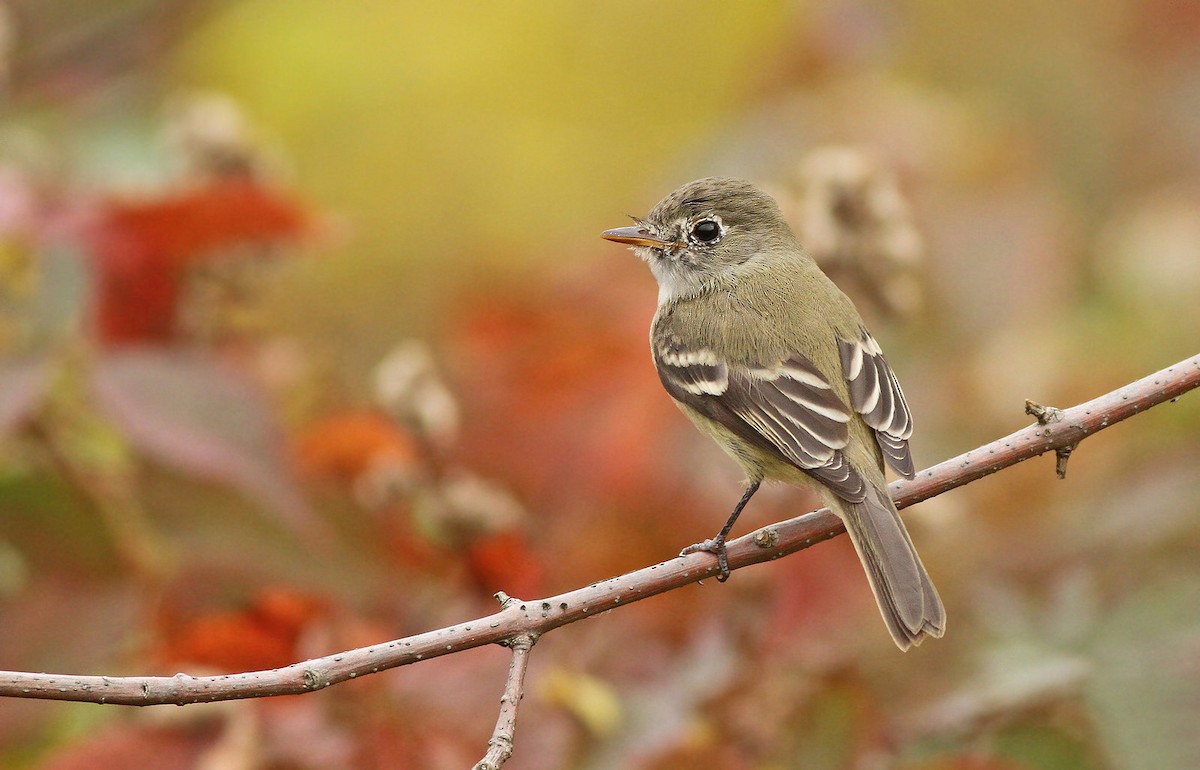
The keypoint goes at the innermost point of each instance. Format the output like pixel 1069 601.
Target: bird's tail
pixel 909 603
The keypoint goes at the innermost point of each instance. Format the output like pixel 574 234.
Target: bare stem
pixel 108 487
pixel 500 745
pixel 533 618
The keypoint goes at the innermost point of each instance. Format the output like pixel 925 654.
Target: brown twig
pixel 1046 415
pixel 107 486
pixel 537 617
pixel 500 745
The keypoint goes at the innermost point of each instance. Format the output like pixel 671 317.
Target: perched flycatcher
pixel 765 355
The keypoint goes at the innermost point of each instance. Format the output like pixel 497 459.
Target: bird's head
pixel 703 232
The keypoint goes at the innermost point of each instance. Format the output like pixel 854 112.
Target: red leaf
pixel 565 368
pixel 140 249
pixel 504 561
pixel 565 407
pixel 261 636
pixel 348 444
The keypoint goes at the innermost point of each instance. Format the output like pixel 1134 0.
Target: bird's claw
pixel 714 546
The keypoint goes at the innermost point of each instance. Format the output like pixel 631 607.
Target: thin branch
pixel 109 491
pixel 537 617
pixel 500 746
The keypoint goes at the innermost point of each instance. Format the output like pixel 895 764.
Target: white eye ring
pixel 706 231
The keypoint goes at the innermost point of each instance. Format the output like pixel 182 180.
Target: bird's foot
pixel 715 546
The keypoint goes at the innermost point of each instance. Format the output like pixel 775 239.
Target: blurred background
pixel 307 341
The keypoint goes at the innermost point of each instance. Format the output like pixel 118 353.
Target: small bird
pixel 765 355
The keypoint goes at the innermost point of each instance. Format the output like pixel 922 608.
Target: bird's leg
pixel 717 544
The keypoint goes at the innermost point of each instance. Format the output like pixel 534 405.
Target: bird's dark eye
pixel 706 231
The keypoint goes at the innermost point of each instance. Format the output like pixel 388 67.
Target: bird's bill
pixel 635 236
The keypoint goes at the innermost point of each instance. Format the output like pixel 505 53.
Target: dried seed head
pixel 408 386
pixel 849 212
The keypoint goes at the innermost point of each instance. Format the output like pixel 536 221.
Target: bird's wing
pixel 787 409
pixel 875 394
